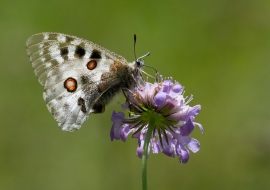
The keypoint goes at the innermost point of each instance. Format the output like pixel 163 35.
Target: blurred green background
pixel 220 52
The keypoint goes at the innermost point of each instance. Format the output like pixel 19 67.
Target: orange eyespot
pixel 70 84
pixel 91 64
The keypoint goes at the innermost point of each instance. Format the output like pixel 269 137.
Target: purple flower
pixel 174 119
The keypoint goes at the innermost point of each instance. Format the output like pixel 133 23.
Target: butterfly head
pixel 140 62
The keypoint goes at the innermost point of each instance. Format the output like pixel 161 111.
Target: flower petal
pixel 117 119
pixel 187 128
pixel 167 86
pixel 168 149
pixel 185 114
pixel 159 99
pixel 192 144
pixel 147 90
pixel 193 111
pixel 125 106
pixel 177 88
pixel 125 132
pixel 156 148
pixel 139 151
pixel 183 154
pixel 200 126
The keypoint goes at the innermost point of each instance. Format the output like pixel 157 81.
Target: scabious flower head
pixel 164 103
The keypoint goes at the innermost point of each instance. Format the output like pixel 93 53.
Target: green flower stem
pixel 151 127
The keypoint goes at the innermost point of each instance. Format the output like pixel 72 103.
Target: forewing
pixel 57 58
pixel 49 50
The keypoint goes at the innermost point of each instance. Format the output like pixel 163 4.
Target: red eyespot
pixel 91 64
pixel 70 84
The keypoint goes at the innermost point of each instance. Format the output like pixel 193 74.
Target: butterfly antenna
pixel 140 58
pixel 135 38
pixel 144 56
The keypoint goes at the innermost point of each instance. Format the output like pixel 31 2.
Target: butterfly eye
pixel 91 64
pixel 70 84
pixel 138 63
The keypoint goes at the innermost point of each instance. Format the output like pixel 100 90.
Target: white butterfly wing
pixel 44 51
pixel 70 70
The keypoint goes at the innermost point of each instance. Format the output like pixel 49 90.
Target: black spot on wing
pixel 81 103
pixel 95 54
pixel 84 79
pixel 64 53
pixel 79 52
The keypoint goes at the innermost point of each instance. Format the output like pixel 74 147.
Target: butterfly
pixel 79 77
